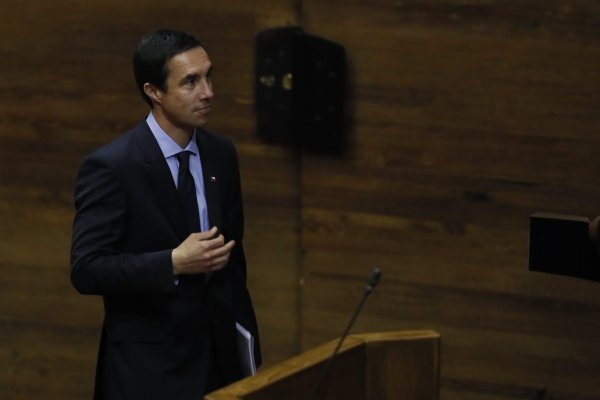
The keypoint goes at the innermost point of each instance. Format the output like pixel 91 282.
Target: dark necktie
pixel 187 192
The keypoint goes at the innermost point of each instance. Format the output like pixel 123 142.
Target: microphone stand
pixel 373 281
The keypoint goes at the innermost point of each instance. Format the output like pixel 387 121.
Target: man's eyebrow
pixel 194 76
pixel 189 77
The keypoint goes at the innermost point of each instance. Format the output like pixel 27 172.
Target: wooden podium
pixel 388 365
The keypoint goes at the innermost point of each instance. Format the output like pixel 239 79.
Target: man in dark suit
pixel 173 280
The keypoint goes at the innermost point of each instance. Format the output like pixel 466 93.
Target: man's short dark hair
pixel 153 53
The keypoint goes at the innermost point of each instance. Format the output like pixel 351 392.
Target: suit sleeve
pixel 98 265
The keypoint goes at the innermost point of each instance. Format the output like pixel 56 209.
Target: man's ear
pixel 153 93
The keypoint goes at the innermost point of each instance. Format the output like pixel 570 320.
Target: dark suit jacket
pixel 156 335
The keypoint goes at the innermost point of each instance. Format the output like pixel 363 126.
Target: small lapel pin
pixel 213 179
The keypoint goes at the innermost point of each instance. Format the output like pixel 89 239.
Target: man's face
pixel 186 102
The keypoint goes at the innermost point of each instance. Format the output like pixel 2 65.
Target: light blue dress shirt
pixel 170 149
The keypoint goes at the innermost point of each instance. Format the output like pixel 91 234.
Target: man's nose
pixel 206 91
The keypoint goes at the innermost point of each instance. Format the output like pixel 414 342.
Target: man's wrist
pixel 175 262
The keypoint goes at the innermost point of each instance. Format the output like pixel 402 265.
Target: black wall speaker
pixel 300 90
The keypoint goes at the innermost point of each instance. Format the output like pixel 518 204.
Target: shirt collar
pixel 167 145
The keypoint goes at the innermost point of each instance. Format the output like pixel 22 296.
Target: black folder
pixel 560 244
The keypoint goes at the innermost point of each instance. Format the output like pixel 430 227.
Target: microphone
pixel 371 284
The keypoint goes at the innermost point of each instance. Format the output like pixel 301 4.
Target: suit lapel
pixel 211 179
pixel 160 178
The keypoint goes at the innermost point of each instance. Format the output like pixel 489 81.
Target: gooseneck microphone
pixel 371 284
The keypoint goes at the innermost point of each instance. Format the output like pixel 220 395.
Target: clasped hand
pixel 201 252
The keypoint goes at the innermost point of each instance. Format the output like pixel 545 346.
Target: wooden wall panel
pixel 67 87
pixel 467 117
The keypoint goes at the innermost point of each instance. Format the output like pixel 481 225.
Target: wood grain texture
pixel 377 365
pixel 467 117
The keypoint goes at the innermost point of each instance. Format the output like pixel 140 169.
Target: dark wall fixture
pixel 300 90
